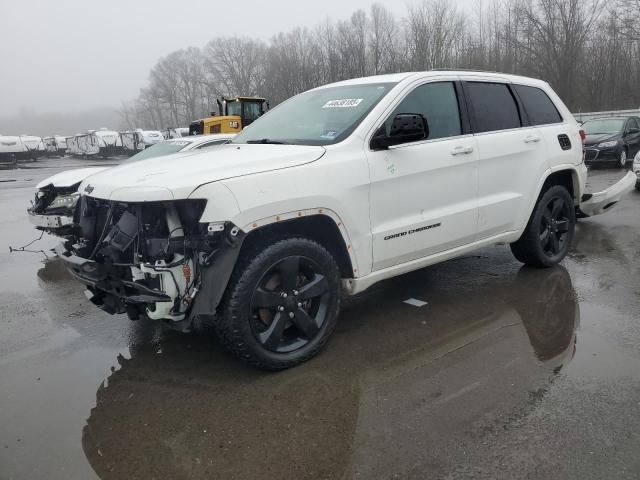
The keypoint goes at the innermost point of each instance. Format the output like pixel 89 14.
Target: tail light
pixel 583 135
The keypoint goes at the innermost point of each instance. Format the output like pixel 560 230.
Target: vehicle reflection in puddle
pixel 398 388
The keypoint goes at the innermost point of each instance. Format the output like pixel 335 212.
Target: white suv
pixel 332 191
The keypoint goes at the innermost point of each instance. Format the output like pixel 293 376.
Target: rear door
pixel 511 156
pixel 423 194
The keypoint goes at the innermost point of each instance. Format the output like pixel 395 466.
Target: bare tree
pixel 589 51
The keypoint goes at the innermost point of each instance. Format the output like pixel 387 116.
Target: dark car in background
pixel 611 140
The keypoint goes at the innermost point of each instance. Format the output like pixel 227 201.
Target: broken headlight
pixel 64 201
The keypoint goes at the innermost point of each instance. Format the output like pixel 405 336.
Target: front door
pixel 424 194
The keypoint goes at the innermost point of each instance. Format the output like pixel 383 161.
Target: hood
pixel 594 139
pixel 69 177
pixel 176 176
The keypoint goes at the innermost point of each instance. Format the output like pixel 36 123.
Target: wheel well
pixel 319 228
pixel 566 178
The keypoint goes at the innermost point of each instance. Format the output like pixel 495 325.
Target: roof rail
pixel 470 70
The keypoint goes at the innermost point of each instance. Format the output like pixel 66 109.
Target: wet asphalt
pixel 506 372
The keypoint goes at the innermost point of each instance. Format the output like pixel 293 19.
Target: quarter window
pixel 438 103
pixel 539 107
pixel 493 105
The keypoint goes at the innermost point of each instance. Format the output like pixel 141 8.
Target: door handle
pixel 531 139
pixel 460 150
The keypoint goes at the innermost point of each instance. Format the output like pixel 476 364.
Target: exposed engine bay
pixel 147 259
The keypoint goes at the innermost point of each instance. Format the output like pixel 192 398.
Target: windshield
pixel 317 117
pixel 159 150
pixel 605 125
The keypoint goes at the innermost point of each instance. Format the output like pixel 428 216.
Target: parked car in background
pixel 148 138
pixel 178 132
pixel 56 196
pixel 636 169
pixel 612 140
pixel 332 191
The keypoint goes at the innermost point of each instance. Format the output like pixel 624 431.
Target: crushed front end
pixel 150 259
pixel 52 208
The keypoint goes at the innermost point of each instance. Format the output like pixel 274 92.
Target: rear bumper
pixel 600 202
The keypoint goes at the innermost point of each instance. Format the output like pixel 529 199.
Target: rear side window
pixel 438 103
pixel 539 107
pixel 493 105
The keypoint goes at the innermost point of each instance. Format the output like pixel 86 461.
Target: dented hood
pixel 176 176
pixel 70 177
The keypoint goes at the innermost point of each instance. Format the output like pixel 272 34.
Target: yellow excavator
pixel 234 114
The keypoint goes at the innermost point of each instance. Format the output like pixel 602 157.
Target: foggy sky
pixel 72 55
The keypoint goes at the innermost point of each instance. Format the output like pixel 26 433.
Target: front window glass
pixel 234 108
pixel 604 125
pixel 158 150
pixel 317 117
pixel 438 104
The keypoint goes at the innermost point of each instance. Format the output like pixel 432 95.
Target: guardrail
pixel 584 116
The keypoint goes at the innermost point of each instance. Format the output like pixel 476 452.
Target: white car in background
pixel 147 138
pixel 56 196
pixel 636 169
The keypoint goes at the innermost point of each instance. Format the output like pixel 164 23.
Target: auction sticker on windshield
pixel 343 103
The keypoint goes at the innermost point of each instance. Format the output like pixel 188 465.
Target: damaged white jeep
pixel 332 191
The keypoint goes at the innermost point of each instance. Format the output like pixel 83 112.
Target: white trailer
pixel 109 142
pixel 130 142
pixel 87 144
pixel 55 145
pixel 10 148
pixel 72 145
pixel 32 147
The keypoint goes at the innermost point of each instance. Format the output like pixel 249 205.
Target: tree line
pixel 588 50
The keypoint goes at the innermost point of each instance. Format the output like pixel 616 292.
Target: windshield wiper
pixel 266 140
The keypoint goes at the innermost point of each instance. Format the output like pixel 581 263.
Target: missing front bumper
pixel 109 292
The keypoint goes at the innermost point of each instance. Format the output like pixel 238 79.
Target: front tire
pixel 622 159
pixel 281 304
pixel 548 235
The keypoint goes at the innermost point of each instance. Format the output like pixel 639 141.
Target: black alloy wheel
pixel 549 232
pixel 289 304
pixel 281 304
pixel 554 227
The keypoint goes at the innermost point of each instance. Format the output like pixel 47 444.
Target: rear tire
pixel 281 305
pixel 548 235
